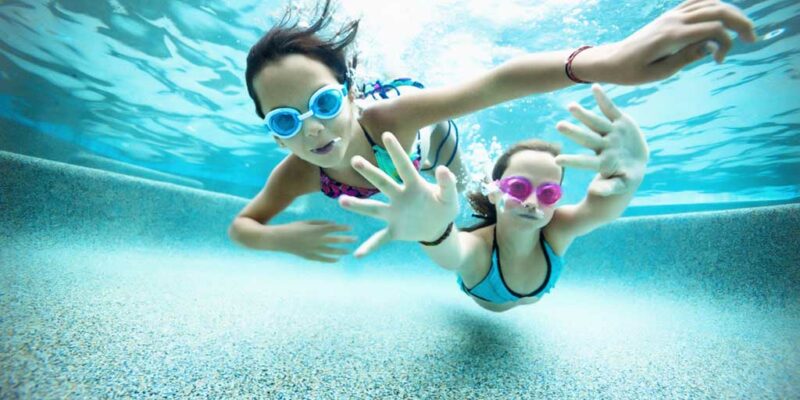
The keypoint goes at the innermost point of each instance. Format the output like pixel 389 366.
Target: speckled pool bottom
pixel 150 324
pixel 115 287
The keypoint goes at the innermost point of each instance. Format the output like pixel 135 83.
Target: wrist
pixel 445 233
pixel 592 64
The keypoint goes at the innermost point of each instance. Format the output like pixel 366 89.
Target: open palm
pixel 417 210
pixel 621 152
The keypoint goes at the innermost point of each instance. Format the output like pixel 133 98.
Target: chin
pixel 333 159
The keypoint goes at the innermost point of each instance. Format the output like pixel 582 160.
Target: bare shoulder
pixel 382 116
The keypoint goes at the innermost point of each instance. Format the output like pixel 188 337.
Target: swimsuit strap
pixel 369 138
pixel 381 90
pixel 500 270
pixel 384 160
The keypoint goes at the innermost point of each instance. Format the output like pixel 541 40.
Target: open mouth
pixel 326 148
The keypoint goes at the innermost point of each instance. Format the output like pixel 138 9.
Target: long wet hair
pixel 484 209
pixel 287 38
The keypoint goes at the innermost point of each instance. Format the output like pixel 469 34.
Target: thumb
pixel 378 239
pixel 689 54
pixel 447 184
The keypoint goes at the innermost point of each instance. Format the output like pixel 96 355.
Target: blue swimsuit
pixel 493 289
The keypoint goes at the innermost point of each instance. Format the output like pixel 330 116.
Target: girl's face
pixel 538 167
pixel 290 82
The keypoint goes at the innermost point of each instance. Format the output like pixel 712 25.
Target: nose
pixel 312 127
pixel 531 203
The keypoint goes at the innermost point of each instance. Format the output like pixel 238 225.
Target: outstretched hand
pixel 621 152
pixel 417 210
pixel 679 37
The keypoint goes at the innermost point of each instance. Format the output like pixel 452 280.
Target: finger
pixel 698 4
pixel 713 30
pixel 590 119
pixel 583 161
pixel 672 64
pixel 376 240
pixel 330 250
pixel 340 239
pixel 581 136
pixel 608 187
pixel 375 176
pixel 321 258
pixel 328 228
pixel 608 107
pixel 689 3
pixel 731 17
pixel 400 159
pixel 320 222
pixel 368 207
pixel 447 183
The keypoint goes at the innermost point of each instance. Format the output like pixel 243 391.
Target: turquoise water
pixel 156 89
pixel 110 290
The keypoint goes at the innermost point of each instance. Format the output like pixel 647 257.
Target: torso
pixel 523 275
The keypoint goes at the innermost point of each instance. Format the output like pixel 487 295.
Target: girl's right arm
pixel 458 251
pixel 312 240
pixel 654 52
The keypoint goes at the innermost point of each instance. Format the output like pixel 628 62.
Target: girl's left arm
pixel 620 159
pixel 654 52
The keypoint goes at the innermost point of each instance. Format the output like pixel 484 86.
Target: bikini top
pixel 493 288
pixel 333 188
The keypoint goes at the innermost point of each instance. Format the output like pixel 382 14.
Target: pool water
pixel 128 144
pixel 156 89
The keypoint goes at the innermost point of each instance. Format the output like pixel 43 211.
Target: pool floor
pixel 87 312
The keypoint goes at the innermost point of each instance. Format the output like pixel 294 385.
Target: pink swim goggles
pixel 520 188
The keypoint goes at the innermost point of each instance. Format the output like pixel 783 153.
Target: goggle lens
pixel 284 123
pixel 548 193
pixel 326 103
pixel 519 188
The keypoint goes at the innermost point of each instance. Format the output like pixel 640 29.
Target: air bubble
pixel 774 34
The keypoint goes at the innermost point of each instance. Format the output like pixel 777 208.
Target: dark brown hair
pixel 287 38
pixel 484 209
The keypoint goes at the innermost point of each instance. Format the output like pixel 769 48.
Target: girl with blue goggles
pixel 325 103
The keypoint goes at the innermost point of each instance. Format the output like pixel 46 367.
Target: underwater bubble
pixel 774 34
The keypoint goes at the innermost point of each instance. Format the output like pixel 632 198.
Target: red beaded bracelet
pixel 568 65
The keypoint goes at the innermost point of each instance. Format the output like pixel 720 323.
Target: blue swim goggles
pixel 325 103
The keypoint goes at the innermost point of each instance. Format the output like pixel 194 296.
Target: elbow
pixel 233 231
